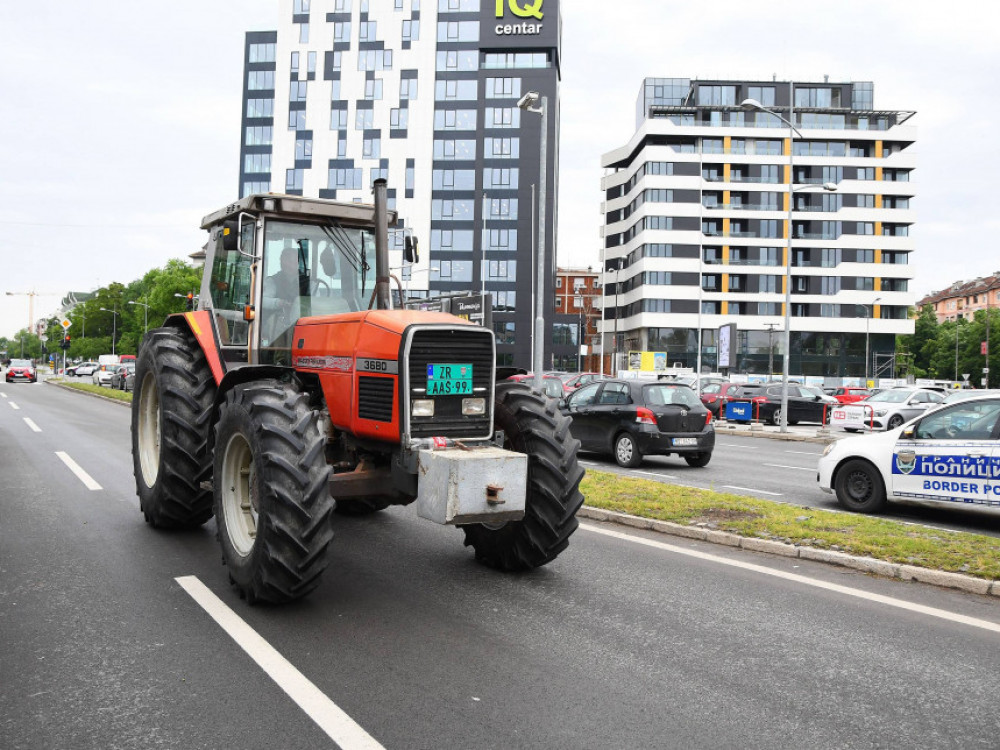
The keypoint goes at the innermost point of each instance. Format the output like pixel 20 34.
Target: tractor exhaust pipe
pixel 383 292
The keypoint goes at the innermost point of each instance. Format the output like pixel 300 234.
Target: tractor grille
pixel 462 345
pixel 375 398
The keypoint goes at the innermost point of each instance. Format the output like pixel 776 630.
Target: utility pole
pixel 770 349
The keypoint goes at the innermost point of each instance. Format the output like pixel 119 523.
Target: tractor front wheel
pixel 533 425
pixel 172 402
pixel 272 500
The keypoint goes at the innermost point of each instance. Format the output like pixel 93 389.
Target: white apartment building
pixel 697 211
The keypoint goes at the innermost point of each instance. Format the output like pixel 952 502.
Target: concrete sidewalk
pixel 800 433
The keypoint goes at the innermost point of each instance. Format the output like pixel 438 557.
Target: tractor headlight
pixel 423 408
pixel 473 407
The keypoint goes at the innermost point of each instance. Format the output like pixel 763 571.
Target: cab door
pixel 951 455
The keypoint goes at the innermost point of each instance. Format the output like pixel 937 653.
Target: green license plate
pixel 449 380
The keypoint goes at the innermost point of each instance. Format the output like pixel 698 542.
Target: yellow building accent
pixel 878 228
pixel 726 197
pixel 788 174
pixel 788 146
pixel 725 227
pixel 876 311
pixel 878 149
pixel 725 283
pixel 727 143
pixel 878 283
pixel 725 308
pixel 878 201
pixel 725 255
pixel 726 171
pixel 878 174
pixel 785 197
pixel 878 256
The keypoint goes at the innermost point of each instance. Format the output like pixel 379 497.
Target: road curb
pixel 67 387
pixel 723 428
pixel 870 565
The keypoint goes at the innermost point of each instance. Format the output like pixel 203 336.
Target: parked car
pixel 574 380
pixel 962 394
pixel 123 376
pixel 552 385
pixel 942 458
pixel 850 395
pixel 629 419
pixel 886 410
pixel 715 396
pixel 21 369
pixel 102 375
pixel 805 404
pixel 84 368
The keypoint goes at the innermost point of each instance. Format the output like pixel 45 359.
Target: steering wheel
pixel 315 288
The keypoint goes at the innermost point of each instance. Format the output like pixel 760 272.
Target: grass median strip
pixel 867 536
pixel 100 390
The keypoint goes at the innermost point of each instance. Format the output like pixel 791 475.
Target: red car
pixel 551 385
pixel 715 396
pixel 850 395
pixel 572 381
pixel 21 369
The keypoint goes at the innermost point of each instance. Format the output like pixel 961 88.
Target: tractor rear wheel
pixel 172 402
pixel 533 425
pixel 272 499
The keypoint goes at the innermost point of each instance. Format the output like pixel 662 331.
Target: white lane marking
pixel 847 591
pixel 750 489
pixel 32 425
pixel 14 406
pixel 741 447
pixel 83 476
pixel 4 395
pixel 805 453
pixel 797 468
pixel 654 474
pixel 340 727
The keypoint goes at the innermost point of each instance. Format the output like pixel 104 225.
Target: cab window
pixel 963 421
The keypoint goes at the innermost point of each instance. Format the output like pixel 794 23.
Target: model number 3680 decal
pixel 385 366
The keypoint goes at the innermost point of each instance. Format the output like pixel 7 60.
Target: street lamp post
pixel 770 349
pixel 753 104
pixel 534 102
pixel 986 370
pixel 869 311
pixel 145 314
pixel 114 325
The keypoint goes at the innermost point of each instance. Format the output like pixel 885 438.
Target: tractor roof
pixel 297 207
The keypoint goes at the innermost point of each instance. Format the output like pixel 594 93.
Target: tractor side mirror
pixel 230 235
pixel 411 253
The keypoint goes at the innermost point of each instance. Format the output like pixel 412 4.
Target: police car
pixel 948 457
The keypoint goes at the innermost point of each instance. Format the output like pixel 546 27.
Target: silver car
pixel 886 410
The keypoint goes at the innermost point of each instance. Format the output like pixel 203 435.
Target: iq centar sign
pixel 526 10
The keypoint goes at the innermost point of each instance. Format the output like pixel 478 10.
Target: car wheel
pixel 894 421
pixel 859 487
pixel 698 460
pixel 776 417
pixel 627 452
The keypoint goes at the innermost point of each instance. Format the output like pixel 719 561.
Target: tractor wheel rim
pixel 239 497
pixel 149 430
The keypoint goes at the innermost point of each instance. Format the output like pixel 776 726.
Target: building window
pixel 503 148
pixel 259 136
pixel 367 31
pixel 297 91
pixel 408 88
pixel 293 179
pixel 763 94
pixel 258 80
pixel 411 31
pixel 260 107
pixel 262 53
pixel 257 163
pixel 297 119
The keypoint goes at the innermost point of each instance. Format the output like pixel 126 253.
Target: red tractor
pixel 294 391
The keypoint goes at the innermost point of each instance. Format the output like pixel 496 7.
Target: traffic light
pixel 190 300
pixel 65 342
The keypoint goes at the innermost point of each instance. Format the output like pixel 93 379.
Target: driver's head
pixel 289 260
pixel 328 262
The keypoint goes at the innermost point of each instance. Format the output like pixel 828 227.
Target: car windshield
pixel 553 387
pixel 20 363
pixel 891 397
pixel 662 394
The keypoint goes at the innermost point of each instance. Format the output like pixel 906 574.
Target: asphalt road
pixel 628 640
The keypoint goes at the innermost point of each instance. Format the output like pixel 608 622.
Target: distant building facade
pixel 578 304
pixel 697 223
pixel 423 93
pixel 963 298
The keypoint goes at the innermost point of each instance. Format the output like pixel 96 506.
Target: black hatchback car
pixel 633 418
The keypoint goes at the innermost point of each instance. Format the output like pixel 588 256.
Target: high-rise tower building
pixel 423 93
pixel 697 211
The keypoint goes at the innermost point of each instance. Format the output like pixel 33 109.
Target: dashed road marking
pixel 83 476
pixel 34 427
pixel 338 726
pixel 797 468
pixel 14 406
pixel 751 489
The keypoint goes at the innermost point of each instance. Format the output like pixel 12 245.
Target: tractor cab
pixel 276 259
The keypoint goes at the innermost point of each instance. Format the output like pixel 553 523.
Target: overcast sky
pixel 121 121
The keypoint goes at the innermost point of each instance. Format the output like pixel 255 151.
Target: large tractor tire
pixel 533 425
pixel 272 499
pixel 172 402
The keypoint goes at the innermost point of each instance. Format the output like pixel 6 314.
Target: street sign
pixel 65 323
pixel 43 338
pixel 965 376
